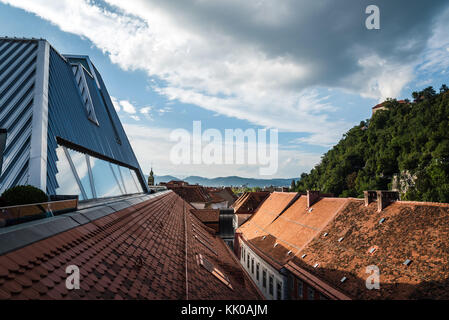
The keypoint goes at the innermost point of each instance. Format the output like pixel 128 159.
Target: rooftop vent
pixel 304 255
pixel 341 239
pixel 407 262
pixel 310 210
pixel 372 250
pixel 289 252
pixel 263 238
pixel 325 234
pixel 381 220
pixel 275 245
pixel 343 279
pixel 316 265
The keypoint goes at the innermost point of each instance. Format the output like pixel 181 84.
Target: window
pixel 242 255
pixel 278 290
pixel 89 177
pixel 264 278
pixel 83 88
pixel 257 271
pixel 310 293
pixel 105 183
pixel 247 261
pixel 252 265
pixel 271 284
pixel 80 163
pixel 67 183
pixel 300 289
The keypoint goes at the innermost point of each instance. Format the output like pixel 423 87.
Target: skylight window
pixel 341 239
pixel 86 99
pixel 310 210
pixel 316 265
pixel 343 279
pixel 325 234
pixel 289 252
pixel 407 262
pixel 372 250
pixel 275 245
pixel 381 220
pixel 202 261
pixel 304 255
pixel 263 238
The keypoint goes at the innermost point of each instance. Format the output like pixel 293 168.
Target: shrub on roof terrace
pixel 19 195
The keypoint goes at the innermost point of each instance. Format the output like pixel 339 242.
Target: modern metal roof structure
pixel 63 134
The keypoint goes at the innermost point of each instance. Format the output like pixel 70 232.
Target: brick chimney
pixel 370 196
pixel 384 198
pixel 312 197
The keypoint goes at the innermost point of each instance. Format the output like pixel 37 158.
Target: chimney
pixel 384 198
pixel 370 196
pixel 312 197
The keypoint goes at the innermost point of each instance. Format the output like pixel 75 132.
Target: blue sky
pixel 243 65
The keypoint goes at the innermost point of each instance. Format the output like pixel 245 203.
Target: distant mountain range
pixel 228 181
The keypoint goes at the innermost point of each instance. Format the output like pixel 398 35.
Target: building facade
pixel 63 134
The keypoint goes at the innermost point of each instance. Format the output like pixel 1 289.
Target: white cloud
pixel 127 107
pixel 263 66
pixel 145 110
pixel 136 118
pixel 115 103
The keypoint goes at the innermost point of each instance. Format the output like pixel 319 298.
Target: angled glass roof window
pixel 80 77
pixel 106 184
pixel 67 182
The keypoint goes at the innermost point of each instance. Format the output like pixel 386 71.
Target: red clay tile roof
pixel 207 215
pixel 281 236
pixel 192 193
pixel 248 202
pixel 226 194
pixel 415 231
pixel 147 251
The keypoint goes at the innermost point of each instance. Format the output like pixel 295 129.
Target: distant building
pixel 63 133
pixel 382 106
pixel 151 178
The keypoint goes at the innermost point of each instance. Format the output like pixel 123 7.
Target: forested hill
pixel 405 147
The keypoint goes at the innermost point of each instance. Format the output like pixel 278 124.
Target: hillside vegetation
pixel 405 147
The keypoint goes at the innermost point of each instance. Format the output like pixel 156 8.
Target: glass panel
pixel 104 181
pixel 79 161
pixel 128 180
pixel 117 177
pixel 136 180
pixel 65 178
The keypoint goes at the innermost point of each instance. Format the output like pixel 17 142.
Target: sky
pixel 310 69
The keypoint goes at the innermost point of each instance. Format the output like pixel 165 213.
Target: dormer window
pixel 80 78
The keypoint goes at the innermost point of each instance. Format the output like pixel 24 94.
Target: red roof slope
pixel 248 202
pixel 290 231
pixel 418 232
pixel 192 193
pixel 150 250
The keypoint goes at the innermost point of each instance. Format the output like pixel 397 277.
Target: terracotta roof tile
pixel 418 232
pixel 135 253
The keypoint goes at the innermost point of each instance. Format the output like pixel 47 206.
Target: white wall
pixel 277 277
